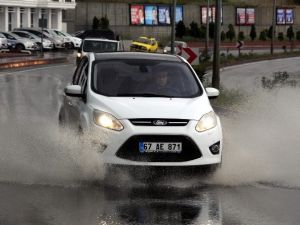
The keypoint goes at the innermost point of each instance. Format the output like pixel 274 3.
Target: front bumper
pixel 110 143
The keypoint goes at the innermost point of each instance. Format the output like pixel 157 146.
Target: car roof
pixel 136 55
pixel 100 39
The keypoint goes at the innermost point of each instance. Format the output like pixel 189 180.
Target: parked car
pixel 144 44
pixel 142 109
pixel 57 41
pixel 75 41
pixel 97 45
pixel 66 40
pixel 47 44
pixel 18 43
pixel 3 41
pixel 104 34
pixel 177 45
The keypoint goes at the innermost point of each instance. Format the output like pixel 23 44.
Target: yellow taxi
pixel 144 44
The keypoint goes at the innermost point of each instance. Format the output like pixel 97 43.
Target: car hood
pixel 137 107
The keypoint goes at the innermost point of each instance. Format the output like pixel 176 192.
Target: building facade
pixel 26 13
pixel 240 13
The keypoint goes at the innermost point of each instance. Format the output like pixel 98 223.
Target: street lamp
pixel 173 27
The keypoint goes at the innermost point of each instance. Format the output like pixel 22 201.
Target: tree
pixel 241 36
pixel 263 35
pixel 230 34
pixel 96 23
pixel 104 22
pixel 211 30
pixel 223 36
pixel 253 32
pixel 290 33
pixel 270 32
pixel 180 29
pixel 194 29
pixel 280 36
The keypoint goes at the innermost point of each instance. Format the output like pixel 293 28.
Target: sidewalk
pixel 10 60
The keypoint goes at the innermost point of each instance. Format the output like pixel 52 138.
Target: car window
pixel 147 78
pixel 1 35
pixel 77 73
pixel 8 36
pixel 99 46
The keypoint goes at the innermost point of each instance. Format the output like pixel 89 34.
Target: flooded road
pixel 48 178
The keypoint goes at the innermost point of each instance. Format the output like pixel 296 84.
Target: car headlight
pixel 165 51
pixel 78 54
pixel 107 120
pixel 208 121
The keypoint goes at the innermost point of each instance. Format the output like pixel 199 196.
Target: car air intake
pixel 159 122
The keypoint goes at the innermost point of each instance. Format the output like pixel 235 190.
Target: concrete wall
pixel 118 15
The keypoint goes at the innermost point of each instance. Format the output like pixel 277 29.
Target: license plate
pixel 168 147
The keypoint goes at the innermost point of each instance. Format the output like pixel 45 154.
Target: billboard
pixel 164 16
pixel 151 15
pixel 179 14
pixel 211 14
pixel 284 16
pixel 137 16
pixel 245 16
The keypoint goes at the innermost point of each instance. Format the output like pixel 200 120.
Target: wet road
pixel 47 178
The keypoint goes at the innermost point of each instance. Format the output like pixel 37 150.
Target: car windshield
pixel 144 78
pixel 99 46
pixel 143 40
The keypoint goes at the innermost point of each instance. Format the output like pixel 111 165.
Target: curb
pixel 33 62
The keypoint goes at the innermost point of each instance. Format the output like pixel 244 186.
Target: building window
pixel 32 12
pixel 22 10
pixel 11 10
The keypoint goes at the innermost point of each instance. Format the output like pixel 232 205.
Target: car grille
pixel 159 122
pixel 130 149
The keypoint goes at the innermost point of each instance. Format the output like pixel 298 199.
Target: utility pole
pixel 173 27
pixel 207 29
pixel 273 27
pixel 216 59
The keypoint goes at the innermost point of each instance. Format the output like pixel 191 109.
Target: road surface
pixel 48 178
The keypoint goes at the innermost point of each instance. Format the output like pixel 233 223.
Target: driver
pixel 163 84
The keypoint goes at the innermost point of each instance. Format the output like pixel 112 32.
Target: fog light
pixel 215 148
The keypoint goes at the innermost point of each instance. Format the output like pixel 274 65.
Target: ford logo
pixel 160 122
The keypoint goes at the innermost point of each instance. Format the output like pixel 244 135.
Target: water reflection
pixel 107 205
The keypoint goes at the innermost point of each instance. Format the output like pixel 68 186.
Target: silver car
pixel 47 44
pixel 57 41
pixel 3 41
pixel 18 43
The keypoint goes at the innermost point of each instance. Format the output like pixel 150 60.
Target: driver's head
pixel 162 78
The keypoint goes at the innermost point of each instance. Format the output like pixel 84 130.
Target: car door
pixel 71 103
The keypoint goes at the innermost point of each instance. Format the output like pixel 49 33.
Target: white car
pixel 177 45
pixel 75 41
pixel 18 43
pixel 3 41
pixel 47 44
pixel 136 118
pixel 97 45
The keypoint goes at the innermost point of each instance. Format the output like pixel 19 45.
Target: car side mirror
pixel 212 93
pixel 73 91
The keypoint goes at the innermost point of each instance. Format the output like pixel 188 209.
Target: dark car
pixel 107 34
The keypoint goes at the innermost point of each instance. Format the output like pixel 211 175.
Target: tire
pixel 19 47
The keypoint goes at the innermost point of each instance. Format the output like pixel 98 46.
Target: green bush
pixel 230 34
pixel 263 35
pixel 253 32
pixel 298 35
pixel 290 33
pixel 96 23
pixel 202 32
pixel 280 36
pixel 241 36
pixel 194 30
pixel 223 36
pixel 180 29
pixel 104 22
pixel 211 30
